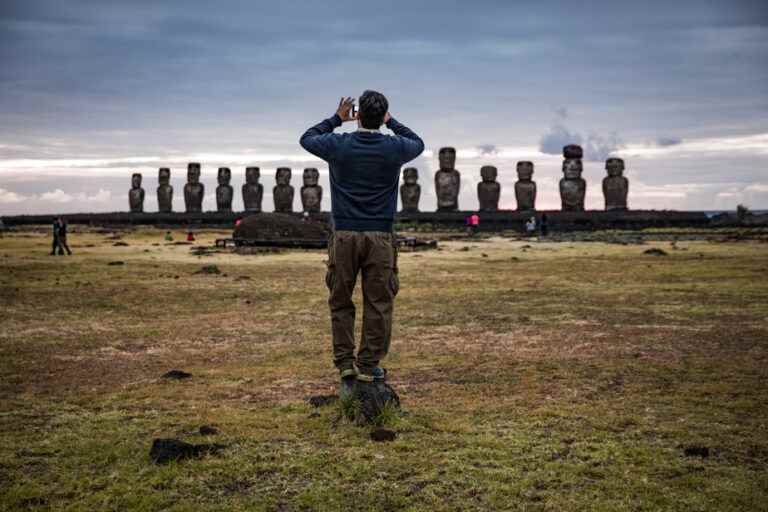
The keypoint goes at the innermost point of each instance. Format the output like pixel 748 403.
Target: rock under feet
pixel 372 398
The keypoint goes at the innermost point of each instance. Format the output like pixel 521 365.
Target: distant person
pixel 168 236
pixel 473 223
pixel 238 221
pixel 63 237
pixel 543 226
pixel 530 226
pixel 56 246
pixel 190 236
pixel 364 168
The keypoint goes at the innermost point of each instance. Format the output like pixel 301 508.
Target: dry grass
pixel 559 376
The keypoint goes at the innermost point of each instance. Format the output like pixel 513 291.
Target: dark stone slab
pixel 176 375
pixel 164 451
pixel 382 434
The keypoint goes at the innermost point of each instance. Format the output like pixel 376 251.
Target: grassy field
pixel 534 376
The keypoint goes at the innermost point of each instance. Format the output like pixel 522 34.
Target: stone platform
pixel 495 221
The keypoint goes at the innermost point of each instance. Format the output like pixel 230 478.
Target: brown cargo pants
pixel 374 255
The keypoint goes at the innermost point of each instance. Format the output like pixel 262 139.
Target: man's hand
pixel 345 109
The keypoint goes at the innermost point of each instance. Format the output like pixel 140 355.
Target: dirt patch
pixel 209 269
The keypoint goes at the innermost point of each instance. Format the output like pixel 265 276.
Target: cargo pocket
pixel 330 277
pixel 394 282
pixel 330 274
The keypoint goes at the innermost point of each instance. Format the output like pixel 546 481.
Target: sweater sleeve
pixel 411 144
pixel 320 139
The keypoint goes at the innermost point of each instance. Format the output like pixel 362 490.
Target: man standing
pixel 56 246
pixel 63 237
pixel 364 173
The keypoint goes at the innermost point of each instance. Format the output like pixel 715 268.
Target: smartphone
pixel 354 111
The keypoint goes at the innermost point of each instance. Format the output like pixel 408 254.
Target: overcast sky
pixel 92 91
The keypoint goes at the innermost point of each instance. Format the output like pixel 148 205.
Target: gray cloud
pixel 668 141
pixel 558 136
pixel 488 149
pixel 598 147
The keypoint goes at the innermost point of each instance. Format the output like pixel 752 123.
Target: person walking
pixel 63 237
pixel 364 170
pixel 56 246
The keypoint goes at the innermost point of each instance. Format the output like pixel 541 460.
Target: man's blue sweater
pixel 364 171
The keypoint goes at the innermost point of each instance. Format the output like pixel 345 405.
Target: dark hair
pixel 372 107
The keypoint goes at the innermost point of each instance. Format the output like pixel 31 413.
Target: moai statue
pixel 615 185
pixel 410 190
pixel 224 191
pixel 311 192
pixel 283 191
pixel 573 188
pixel 525 187
pixel 136 194
pixel 447 181
pixel 488 190
pixel 164 191
pixel 193 190
pixel 253 191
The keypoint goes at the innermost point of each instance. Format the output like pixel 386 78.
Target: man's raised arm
pixel 319 140
pixel 411 144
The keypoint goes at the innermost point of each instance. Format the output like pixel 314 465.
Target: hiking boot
pixel 377 374
pixel 347 383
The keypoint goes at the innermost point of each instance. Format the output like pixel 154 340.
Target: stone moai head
pixel 225 175
pixel 164 176
pixel 573 151
pixel 614 166
pixel 136 180
pixel 283 175
pixel 193 173
pixel 525 171
pixel 447 157
pixel 572 168
pixel 311 176
pixel 252 175
pixel 488 173
pixel 410 175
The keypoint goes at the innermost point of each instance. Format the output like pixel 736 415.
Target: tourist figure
pixel 168 236
pixel 473 223
pixel 530 226
pixel 190 236
pixel 63 237
pixel 56 247
pixel 364 168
